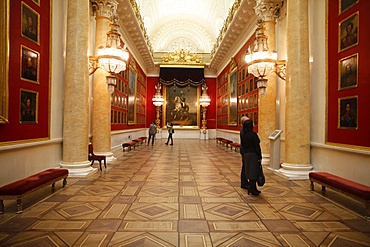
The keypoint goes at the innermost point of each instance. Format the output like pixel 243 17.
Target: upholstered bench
pixel 138 141
pixel 352 189
pixel 128 145
pixel 19 189
pixel 219 140
pixel 226 142
pixel 143 138
pixel 235 145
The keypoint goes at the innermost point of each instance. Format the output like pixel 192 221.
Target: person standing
pixel 152 132
pixel 252 155
pixel 243 179
pixel 170 132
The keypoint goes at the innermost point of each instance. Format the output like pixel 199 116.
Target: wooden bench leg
pixel 323 188
pixel 1 206
pixel 312 186
pixel 19 205
pixel 367 210
pixel 64 182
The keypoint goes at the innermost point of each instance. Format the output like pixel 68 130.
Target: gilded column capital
pixel 268 10
pixel 104 8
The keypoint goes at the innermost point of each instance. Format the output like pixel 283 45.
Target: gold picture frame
pixel 30 24
pixel 348 32
pixel 348 72
pixel 30 64
pixel 181 106
pixel 348 112
pixel 28 106
pixel 346 4
pixel 233 98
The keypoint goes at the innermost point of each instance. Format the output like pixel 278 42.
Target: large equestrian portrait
pixel 182 107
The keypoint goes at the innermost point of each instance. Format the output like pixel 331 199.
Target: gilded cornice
pixel 182 56
pixel 136 9
pixel 225 26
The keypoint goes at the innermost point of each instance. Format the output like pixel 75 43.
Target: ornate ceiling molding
pixel 239 26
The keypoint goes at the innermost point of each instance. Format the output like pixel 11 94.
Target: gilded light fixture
pixel 112 58
pixel 158 102
pixel 261 61
pixel 204 102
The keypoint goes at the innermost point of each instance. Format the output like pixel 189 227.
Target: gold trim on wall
pixel 4 56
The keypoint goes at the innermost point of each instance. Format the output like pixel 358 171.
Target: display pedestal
pixel 203 135
pixel 275 149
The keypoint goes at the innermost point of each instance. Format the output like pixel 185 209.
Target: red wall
pixel 211 109
pixel 352 136
pixel 16 131
pixel 150 92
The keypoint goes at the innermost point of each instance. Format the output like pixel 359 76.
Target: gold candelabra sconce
pixel 204 102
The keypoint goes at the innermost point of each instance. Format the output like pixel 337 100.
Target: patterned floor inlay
pixel 186 195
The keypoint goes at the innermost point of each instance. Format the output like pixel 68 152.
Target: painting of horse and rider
pixel 182 105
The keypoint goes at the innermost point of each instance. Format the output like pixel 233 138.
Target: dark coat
pixel 251 152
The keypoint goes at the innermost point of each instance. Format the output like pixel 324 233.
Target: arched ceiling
pixel 212 28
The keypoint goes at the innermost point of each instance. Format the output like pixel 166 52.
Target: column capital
pixel 104 8
pixel 268 10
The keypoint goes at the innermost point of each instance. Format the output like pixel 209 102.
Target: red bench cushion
pixel 128 144
pixel 343 184
pixel 24 185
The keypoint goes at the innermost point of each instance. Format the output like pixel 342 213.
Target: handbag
pixel 261 177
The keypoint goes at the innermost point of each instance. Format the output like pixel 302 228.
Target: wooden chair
pixel 93 157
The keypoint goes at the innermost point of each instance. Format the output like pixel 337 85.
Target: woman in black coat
pixel 252 155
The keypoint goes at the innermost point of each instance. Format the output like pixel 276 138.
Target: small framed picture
pixel 346 4
pixel 255 117
pixel 348 72
pixel 37 2
pixel 30 23
pixel 30 60
pixel 28 106
pixel 255 102
pixel 349 32
pixel 347 112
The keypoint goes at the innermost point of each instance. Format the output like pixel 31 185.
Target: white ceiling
pixel 184 24
pixel 194 25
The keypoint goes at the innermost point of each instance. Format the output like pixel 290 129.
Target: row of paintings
pixel 348 66
pixel 29 64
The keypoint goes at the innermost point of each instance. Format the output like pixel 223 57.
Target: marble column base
pixel 295 171
pixel 265 159
pixel 78 169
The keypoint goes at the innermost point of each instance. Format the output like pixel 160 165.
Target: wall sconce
pixel 204 102
pixel 112 58
pixel 261 61
pixel 158 102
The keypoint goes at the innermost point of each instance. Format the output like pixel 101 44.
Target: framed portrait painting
pixel 348 72
pixel 346 4
pixel 347 112
pixel 28 106
pixel 131 107
pixel 30 61
pixel 232 85
pixel 349 32
pixel 182 106
pixel 30 23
